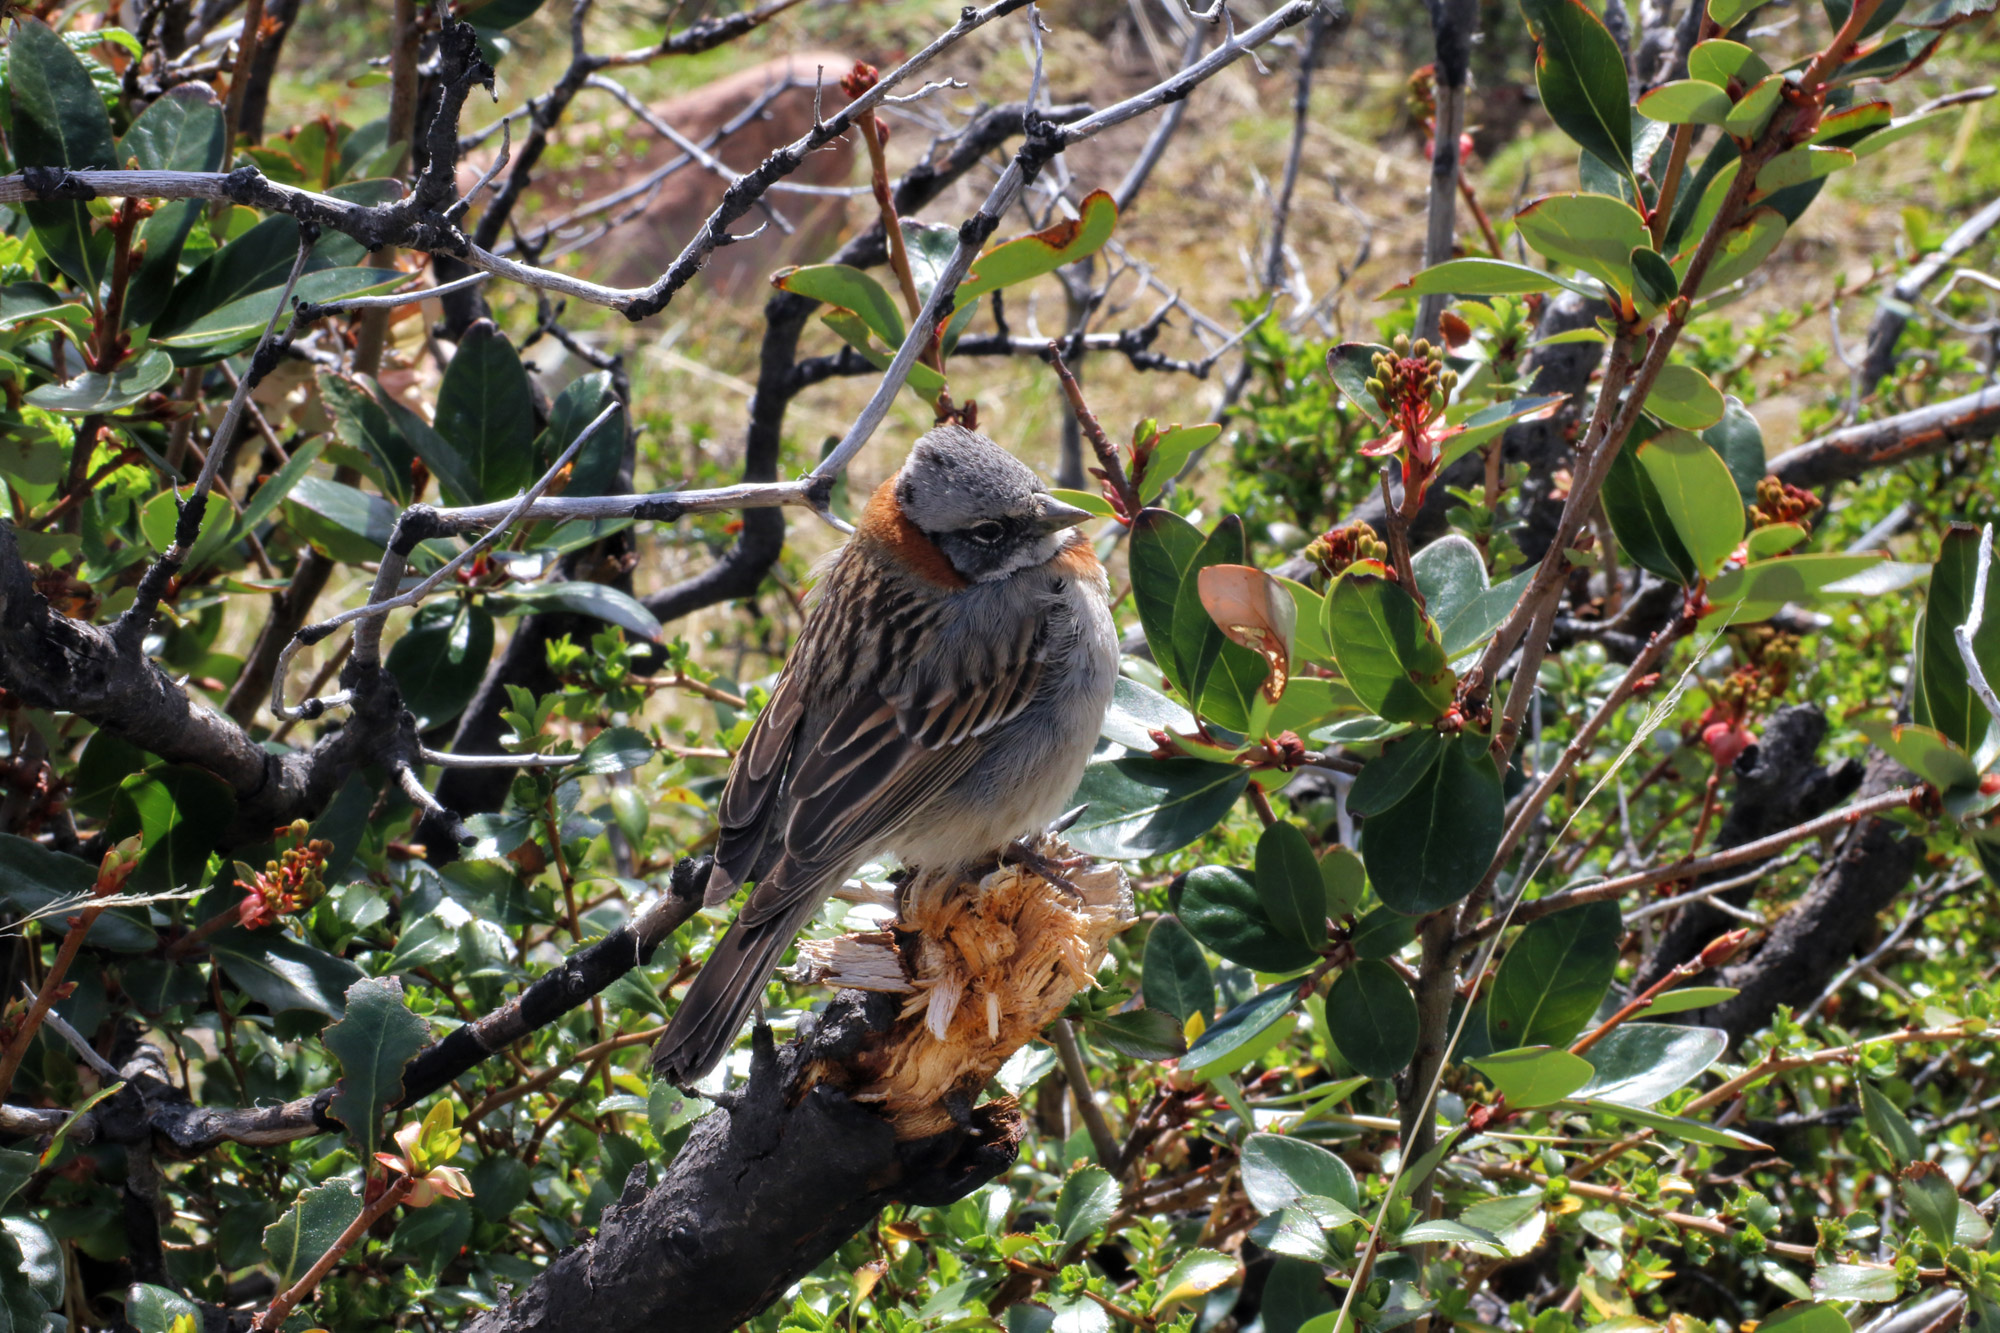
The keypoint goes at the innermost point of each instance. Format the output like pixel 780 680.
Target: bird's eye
pixel 987 533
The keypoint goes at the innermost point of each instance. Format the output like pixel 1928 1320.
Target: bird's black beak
pixel 1052 515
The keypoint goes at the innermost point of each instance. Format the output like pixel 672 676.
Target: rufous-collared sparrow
pixel 941 702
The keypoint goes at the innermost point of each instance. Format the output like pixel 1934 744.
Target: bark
pixel 1778 785
pixel 1846 454
pixel 764 1190
pixel 1814 940
pixel 1894 312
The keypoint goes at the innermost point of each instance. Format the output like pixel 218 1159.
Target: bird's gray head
pixel 985 509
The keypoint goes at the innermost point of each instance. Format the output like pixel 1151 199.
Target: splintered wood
pixel 985 965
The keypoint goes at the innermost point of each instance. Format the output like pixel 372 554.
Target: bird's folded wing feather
pixel 907 727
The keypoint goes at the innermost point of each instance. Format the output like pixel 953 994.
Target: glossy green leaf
pixel 1196 1273
pixel 1888 60
pixel 1349 366
pixel 1170 454
pixel 183 813
pixel 1534 1075
pixel 1931 1199
pixel 486 412
pixel 600 601
pixel 613 750
pixel 1553 976
pixel 1689 997
pixel 346 523
pixel 1925 752
pixel 595 468
pixel 1164 546
pixel 59 121
pixel 1683 396
pixel 1726 13
pixel 1580 73
pixel 1382 932
pixel 1242 1034
pixel 1804 1317
pixel 1137 711
pixel 1092 501
pixel 309 1228
pixel 235 326
pixel 1673 1126
pixel 1430 848
pixel 1697 494
pixel 1798 165
pixel 153 1309
pixel 1281 1172
pixel 850 289
pixel 1944 696
pixel 1289 884
pixel 1482 425
pixel 1198 641
pixel 439 661
pixel 1175 975
pixel 180 131
pixel 1592 232
pixel 1392 775
pixel 95 391
pixel 1888 1124
pixel 1686 102
pixel 1143 1034
pixel 1743 248
pixel 1873 1283
pixel 1740 441
pixel 376 1038
pixel 1222 908
pixel 1087 1201
pixel 1387 649
pixel 1148 807
pixel 1654 281
pixel 1640 1064
pixel 1752 112
pixel 1373 1017
pixel 1481 277
pixel 1344 878
pixel 1045 251
pixel 923 381
pixel 1758 590
pixel 282 973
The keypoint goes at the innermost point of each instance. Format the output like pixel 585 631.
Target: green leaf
pixel 1698 495
pixel 1726 13
pixel 1137 711
pixel 1171 453
pixel 1889 1126
pixel 1798 165
pixel 1482 425
pixel 1686 102
pixel 281 973
pixel 1932 1201
pixel 235 326
pixel 486 412
pixel 1143 1034
pixel 613 750
pixel 1243 1034
pixel 1045 251
pixel 364 419
pixel 94 391
pixel 1758 590
pixel 1349 366
pixel 1373 1018
pixel 1222 908
pixel 1382 932
pixel 1517 1222
pixel 180 131
pixel 923 381
pixel 1196 1273
pixel 1471 625
pixel 1092 501
pixel 346 523
pixel 600 601
pixel 850 289
pixel 1387 649
pixel 1551 980
pixel 1480 277
pixel 376 1037
pixel 1344 878
pixel 1677 1127
pixel 183 813
pixel 1148 807
pixel 440 660
pixel 308 1229
pixel 1642 1063
pixel 1534 1075
pixel 273 490
pixel 1926 753
pixel 1389 777
pixel 1198 642
pixel 1289 884
pixel 1175 978
pixel 1752 112
pixel 1593 232
pixel 1873 1283
pixel 1805 1317
pixel 16 1169
pixel 1281 1172
pixel 1430 848
pixel 153 1309
pixel 1745 246
pixel 1580 73
pixel 1164 546
pixel 59 121
pixel 595 469
pixel 1740 441
pixel 1451 574
pixel 1088 1199
pixel 34 878
pixel 1683 396
pixel 1689 997
pixel 1653 279
pixel 1944 697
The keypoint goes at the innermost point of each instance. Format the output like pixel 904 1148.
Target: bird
pixel 940 704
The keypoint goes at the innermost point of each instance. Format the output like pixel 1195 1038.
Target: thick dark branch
pixel 1848 453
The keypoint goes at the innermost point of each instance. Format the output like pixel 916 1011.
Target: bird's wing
pixel 908 727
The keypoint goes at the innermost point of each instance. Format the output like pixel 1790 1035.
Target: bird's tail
pixel 723 992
